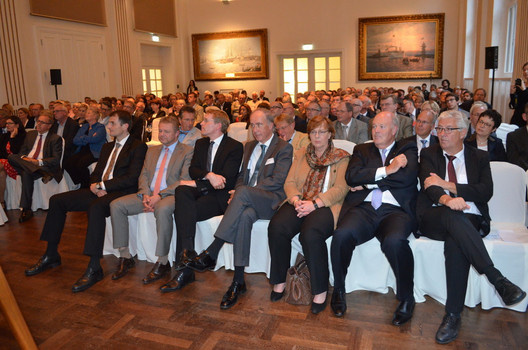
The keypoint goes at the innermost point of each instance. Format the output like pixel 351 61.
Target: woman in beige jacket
pixel 315 189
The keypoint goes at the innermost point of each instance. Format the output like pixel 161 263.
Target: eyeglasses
pixel 483 123
pixel 42 122
pixel 313 109
pixel 423 122
pixel 318 132
pixel 446 130
pixel 10 123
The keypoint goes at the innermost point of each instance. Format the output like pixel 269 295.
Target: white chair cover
pixel 238 131
pixel 344 145
pixel 3 216
pixel 503 130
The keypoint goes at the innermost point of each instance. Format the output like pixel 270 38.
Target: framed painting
pixel 231 55
pixel 401 47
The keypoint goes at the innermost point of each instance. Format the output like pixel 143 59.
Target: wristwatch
pixel 315 204
pixel 99 186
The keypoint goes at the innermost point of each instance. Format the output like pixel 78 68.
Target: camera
pixel 518 84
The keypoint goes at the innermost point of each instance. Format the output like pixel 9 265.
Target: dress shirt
pixel 41 155
pixel 256 154
pixel 122 143
pixel 291 138
pixel 182 135
pixel 381 173
pixel 420 144
pixel 459 163
pixel 60 128
pixel 216 144
pixel 158 164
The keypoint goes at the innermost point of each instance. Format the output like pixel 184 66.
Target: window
pixel 510 39
pixel 301 73
pixel 152 81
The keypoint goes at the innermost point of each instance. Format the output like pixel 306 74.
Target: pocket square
pixel 270 161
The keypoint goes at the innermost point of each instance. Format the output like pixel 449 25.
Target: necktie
pixel 112 162
pixel 253 180
pixel 210 157
pixel 377 193
pixel 345 131
pixel 161 170
pixel 424 143
pixel 451 174
pixel 39 146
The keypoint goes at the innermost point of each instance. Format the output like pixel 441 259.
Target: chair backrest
pixel 508 203
pixel 503 130
pixel 155 130
pixel 344 145
pixel 238 131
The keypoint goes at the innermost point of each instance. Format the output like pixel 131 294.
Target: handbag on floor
pixel 298 289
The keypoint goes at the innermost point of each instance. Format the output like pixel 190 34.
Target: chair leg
pixel 14 316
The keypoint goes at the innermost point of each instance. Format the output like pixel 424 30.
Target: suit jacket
pixel 274 168
pixel 30 123
pixel 433 140
pixel 405 128
pixel 191 137
pixel 226 107
pixel 14 143
pixel 95 139
pixel 361 171
pixel 480 184
pixel 137 129
pixel 300 140
pixel 517 147
pixel 300 124
pixel 496 150
pixel 177 170
pixel 226 163
pixel 126 169
pixel 51 156
pixel 358 132
pixel 70 130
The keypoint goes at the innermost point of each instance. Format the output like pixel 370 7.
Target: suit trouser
pixel 28 174
pixel 191 207
pixel 247 206
pixel 77 167
pixel 131 204
pixel 391 226
pixel 97 208
pixel 314 229
pixel 463 247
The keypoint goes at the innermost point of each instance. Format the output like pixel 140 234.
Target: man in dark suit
pixel 165 167
pixel 258 192
pixel 115 175
pixel 409 109
pixel 389 104
pixel 137 129
pixel 425 123
pixel 517 144
pixel 223 105
pixel 300 123
pixel 66 128
pixel 381 204
pixel 453 207
pixel 39 157
pixel 214 169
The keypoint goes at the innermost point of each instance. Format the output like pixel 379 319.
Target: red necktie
pixel 39 146
pixel 451 174
pixel 161 170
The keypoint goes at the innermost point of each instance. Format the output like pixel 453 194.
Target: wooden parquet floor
pixel 125 314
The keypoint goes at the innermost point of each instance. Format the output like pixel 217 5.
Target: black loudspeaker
pixel 56 79
pixel 492 57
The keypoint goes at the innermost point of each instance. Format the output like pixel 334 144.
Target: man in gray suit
pixel 347 127
pixel 258 193
pixel 165 166
pixel 389 104
pixel 188 132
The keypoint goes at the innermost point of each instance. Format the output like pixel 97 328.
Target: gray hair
pixel 478 104
pixel 461 121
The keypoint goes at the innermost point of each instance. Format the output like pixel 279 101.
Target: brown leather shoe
pixel 158 271
pixel 25 215
pixel 123 266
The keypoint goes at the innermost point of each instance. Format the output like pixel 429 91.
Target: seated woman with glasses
pixel 89 141
pixel 487 123
pixel 10 142
pixel 315 189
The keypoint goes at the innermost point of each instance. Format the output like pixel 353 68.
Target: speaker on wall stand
pixel 55 79
pixel 492 62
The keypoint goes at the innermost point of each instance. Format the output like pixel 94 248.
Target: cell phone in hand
pixel 518 82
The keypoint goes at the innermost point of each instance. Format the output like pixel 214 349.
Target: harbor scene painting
pixel 230 55
pixel 403 47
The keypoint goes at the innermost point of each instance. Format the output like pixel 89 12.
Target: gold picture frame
pixel 231 55
pixel 401 47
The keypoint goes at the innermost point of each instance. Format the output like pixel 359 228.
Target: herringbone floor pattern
pixel 125 314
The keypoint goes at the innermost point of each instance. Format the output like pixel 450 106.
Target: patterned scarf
pixel 318 166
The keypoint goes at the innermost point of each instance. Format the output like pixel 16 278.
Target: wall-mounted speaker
pixel 55 76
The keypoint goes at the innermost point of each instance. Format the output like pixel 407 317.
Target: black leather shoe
pixel 44 263
pixel 404 312
pixel 180 280
pixel 89 278
pixel 158 271
pixel 123 266
pixel 276 296
pixel 202 262
pixel 448 330
pixel 185 258
pixel 317 308
pixel 509 292
pixel 231 296
pixel 25 215
pixel 338 302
